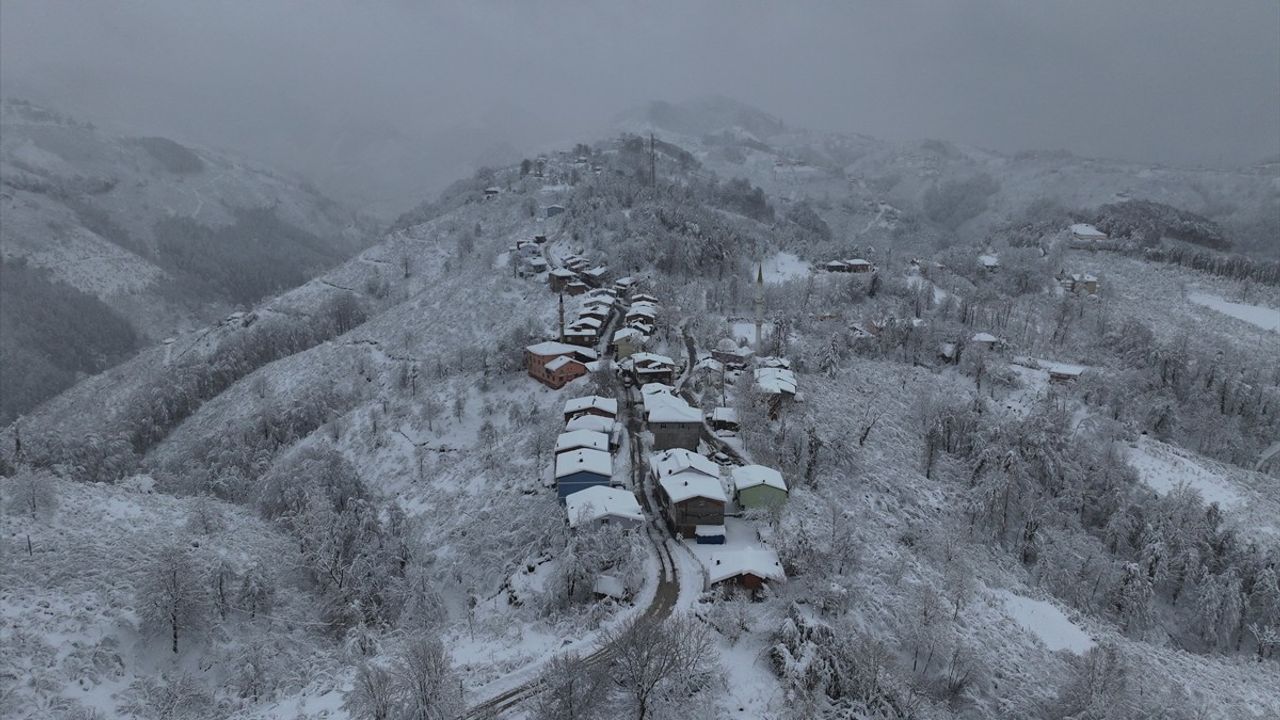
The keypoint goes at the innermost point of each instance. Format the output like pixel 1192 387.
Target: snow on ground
pixel 1044 620
pixel 1166 468
pixel 784 266
pixel 1264 317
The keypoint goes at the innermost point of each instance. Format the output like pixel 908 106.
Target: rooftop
pixel 752 475
pixel 575 439
pixel 761 562
pixel 584 460
pixel 591 402
pixel 677 460
pixel 598 502
pixel 690 484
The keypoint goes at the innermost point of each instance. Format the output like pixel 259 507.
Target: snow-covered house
pixel 724 418
pixel 859 265
pixel 539 359
pixel 1084 233
pixel 591 405
pixel 984 341
pixel 836 266
pixel 559 278
pixel 582 468
pixel 689 490
pixel 1079 282
pixel 643 368
pixel 598 424
pixel 749 567
pixel 757 486
pixel 673 422
pixel 603 505
pixel 554 210
pixel 576 287
pixel 731 354
pixel 577 439
pixel 580 336
pixel 596 276
pixel 989 262
pixel 626 342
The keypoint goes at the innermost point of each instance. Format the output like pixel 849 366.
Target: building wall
pixel 686 516
pixel 676 435
pixel 582 480
pixel 761 496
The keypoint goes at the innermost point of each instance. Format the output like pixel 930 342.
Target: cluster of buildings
pixel 576 275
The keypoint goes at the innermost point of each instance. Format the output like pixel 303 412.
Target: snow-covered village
pixel 413 362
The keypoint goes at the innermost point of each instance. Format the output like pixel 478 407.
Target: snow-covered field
pixel 1264 317
pixel 1044 620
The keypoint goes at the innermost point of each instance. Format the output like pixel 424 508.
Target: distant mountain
pixel 137 238
pixel 865 185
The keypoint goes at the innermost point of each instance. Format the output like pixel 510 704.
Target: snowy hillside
pixel 146 232
pixel 998 497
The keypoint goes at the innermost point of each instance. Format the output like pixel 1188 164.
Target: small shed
pixel 985 341
pixel 709 534
pixel 757 486
pixel 1086 233
pixel 554 210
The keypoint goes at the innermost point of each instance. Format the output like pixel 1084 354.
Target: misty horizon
pixel 338 92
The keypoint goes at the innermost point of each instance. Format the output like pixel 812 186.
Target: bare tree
pixel 33 494
pixel 656 658
pixel 572 690
pixel 372 696
pixel 425 682
pixel 171 598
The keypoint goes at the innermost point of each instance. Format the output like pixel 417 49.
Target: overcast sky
pixel 307 84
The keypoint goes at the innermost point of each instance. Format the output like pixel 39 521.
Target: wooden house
pixel 1079 283
pixel 643 298
pixel 626 342
pixel 858 265
pixel 689 490
pixel 581 337
pixel 749 568
pixel 591 405
pixel 539 358
pixel 563 370
pixel 724 418
pixel 575 287
pixel 839 266
pixel 596 277
pixel 673 422
pixel 580 469
pixel 601 505
pixel 559 278
pixel 758 487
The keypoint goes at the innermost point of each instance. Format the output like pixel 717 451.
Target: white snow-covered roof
pixel 776 381
pixel 643 298
pixel 675 413
pixel 593 423
pixel 598 271
pixel 587 321
pixel 724 414
pixel 690 484
pixel 564 272
pixel 748 476
pixel 773 362
pixel 709 363
pixel 1060 368
pixel 857 262
pixel 761 562
pixel 649 359
pixel 836 264
pixel 561 361
pixel 598 502
pixel 591 402
pixel 609 586
pixel 574 439
pixel 551 347
pixel 708 531
pixel 628 333
pixel 646 311
pixel 989 260
pixel 584 460
pixel 493 189
pixel 1086 230
pixel 678 460
pixel 985 338
pixel 625 281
